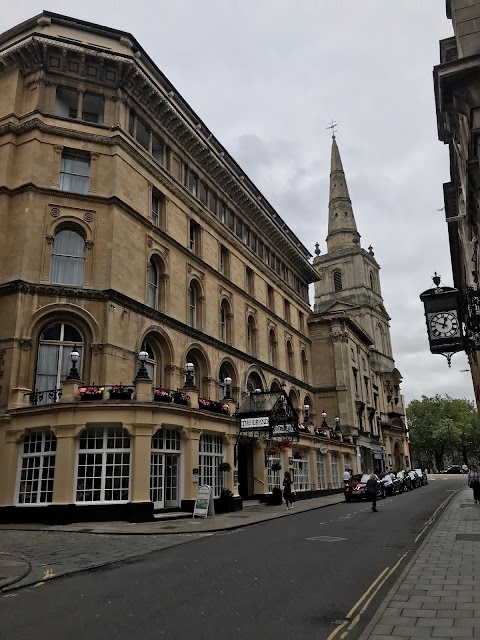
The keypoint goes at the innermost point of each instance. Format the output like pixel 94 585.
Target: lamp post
pixel 306 409
pixel 189 369
pixel 74 357
pixel 227 381
pixel 337 424
pixel 324 423
pixel 142 373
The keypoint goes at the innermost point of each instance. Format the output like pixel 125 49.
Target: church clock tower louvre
pixel 352 358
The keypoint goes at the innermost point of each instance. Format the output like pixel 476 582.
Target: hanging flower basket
pixel 276 466
pixel 89 394
pixel 224 467
pixel 272 451
pixel 286 443
pixel 120 392
pixel 298 455
pixel 162 395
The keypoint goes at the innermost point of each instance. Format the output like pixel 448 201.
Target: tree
pixel 444 426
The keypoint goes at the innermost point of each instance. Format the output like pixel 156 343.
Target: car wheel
pixel 347 499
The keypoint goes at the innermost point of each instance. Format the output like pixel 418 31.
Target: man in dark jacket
pixel 372 490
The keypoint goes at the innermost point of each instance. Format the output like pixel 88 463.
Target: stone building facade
pixel 147 288
pixel 457 99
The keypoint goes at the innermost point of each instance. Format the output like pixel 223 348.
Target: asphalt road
pixel 292 578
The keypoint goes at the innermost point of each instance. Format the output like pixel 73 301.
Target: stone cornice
pixel 214 162
pixel 112 296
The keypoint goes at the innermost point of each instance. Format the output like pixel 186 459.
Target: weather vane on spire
pixel 333 125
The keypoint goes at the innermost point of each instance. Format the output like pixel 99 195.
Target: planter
pixel 120 395
pixel 91 397
pixel 275 499
pixel 181 398
pixel 158 398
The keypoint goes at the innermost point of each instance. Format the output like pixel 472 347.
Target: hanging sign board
pixel 252 424
pixel 204 502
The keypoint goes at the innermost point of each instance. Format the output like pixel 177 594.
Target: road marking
pixel 335 631
pixel 359 602
pixel 326 539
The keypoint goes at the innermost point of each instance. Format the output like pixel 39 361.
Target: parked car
pixel 453 468
pixel 356 488
pixel 405 481
pixel 416 480
pixel 391 483
pixel 423 476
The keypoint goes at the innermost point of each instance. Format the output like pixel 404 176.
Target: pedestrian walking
pixel 474 483
pixel 287 490
pixel 347 476
pixel 372 490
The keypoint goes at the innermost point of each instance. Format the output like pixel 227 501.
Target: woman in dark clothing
pixel 372 490
pixel 474 483
pixel 287 490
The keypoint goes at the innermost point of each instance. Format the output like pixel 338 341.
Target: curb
pixel 4 584
pixel 367 632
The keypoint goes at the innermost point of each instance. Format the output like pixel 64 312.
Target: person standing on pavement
pixel 287 490
pixel 372 490
pixel 347 476
pixel 474 483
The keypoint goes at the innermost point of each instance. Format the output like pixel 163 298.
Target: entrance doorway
pixel 245 469
pixel 164 480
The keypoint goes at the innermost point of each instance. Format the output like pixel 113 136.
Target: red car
pixel 356 488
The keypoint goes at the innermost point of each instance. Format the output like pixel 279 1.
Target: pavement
pixel 434 597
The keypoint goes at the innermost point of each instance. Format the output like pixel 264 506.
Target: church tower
pixel 352 362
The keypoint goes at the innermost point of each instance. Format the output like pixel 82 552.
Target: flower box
pixel 213 406
pixel 162 395
pixel 120 393
pixel 90 394
pixel 181 398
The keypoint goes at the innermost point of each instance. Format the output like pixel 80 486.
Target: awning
pixel 267 414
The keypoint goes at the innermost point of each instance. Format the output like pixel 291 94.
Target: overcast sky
pixel 267 76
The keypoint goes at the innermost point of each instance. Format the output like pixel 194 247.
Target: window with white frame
pixel 211 455
pixel 103 465
pixel 301 475
pixel 53 358
pixel 163 442
pixel 321 471
pixel 274 477
pixel 192 306
pixel 152 285
pixel 223 322
pixel 37 468
pixel 151 362
pixel 68 257
pixel 335 472
pixel 75 172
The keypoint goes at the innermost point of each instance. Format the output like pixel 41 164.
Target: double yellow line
pixel 353 616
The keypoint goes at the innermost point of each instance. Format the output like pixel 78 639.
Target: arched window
pixel 223 322
pixel 224 373
pixel 68 257
pixel 251 336
pixel 289 358
pixel 337 281
pixel 151 362
pixel 152 285
pixel 275 386
pixel 254 382
pixel 304 366
pixel 53 358
pixel 195 305
pixel 272 348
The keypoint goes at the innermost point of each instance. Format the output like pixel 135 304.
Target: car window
pixel 365 477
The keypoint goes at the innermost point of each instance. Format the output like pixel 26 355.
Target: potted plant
pixel 276 498
pixel 88 394
pixel 181 398
pixel 286 443
pixel 298 455
pixel 162 395
pixel 204 403
pixel 120 392
pixel 224 504
pixel 276 466
pixel 224 467
pixel 272 451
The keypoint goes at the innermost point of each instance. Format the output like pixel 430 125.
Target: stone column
pixel 65 464
pixel 140 467
pixel 328 470
pixel 260 479
pixel 312 463
pixel 70 390
pixel 191 452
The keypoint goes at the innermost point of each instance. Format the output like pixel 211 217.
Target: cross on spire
pixel 333 125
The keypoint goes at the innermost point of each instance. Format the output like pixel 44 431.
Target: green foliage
pixel 442 426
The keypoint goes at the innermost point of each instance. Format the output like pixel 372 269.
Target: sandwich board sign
pixel 204 502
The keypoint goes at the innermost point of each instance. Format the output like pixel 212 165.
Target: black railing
pixel 37 397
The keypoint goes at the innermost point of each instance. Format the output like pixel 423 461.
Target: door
pixel 171 480
pixel 156 480
pixel 245 469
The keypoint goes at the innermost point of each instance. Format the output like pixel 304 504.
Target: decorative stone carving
pixel 89 244
pixel 25 344
pixel 150 241
pixel 54 212
pixel 96 347
pixel 88 216
pixel 49 238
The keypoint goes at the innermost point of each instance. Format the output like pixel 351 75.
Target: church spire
pixel 342 229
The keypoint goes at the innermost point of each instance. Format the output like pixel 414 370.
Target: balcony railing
pixel 49 396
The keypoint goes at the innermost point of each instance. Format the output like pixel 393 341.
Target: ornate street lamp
pixel 142 373
pixel 324 423
pixel 337 424
pixel 227 382
pixel 306 409
pixel 189 369
pixel 74 357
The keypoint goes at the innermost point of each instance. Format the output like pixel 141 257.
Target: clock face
pixel 444 324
